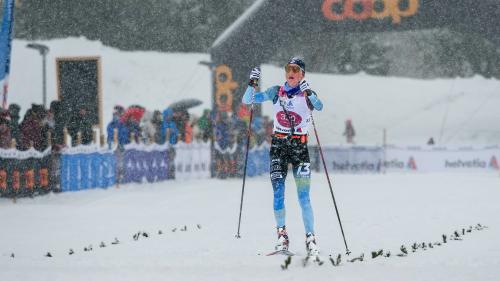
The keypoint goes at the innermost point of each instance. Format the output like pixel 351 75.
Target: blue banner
pixel 82 171
pixel 5 48
pixel 138 164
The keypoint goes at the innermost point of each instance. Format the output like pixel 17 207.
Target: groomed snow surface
pixel 377 212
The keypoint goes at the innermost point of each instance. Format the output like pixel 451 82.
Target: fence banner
pixel 442 159
pixel 139 161
pixel 24 173
pixel 86 167
pixel 353 159
pixel 192 161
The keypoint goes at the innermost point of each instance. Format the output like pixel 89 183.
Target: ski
pixel 312 258
pixel 281 252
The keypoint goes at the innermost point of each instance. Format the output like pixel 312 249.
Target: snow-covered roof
pixel 235 25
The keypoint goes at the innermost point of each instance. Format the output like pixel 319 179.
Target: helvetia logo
pixel 494 163
pixel 412 164
pixel 339 10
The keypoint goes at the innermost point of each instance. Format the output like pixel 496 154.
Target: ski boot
pixel 283 242
pixel 311 247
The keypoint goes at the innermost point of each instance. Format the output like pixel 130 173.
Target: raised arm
pixel 251 96
pixel 311 95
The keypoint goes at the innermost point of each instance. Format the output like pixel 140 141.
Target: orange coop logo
pixel 339 10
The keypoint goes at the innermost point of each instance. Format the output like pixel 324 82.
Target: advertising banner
pixel 353 159
pixel 192 161
pixel 442 159
pixel 24 173
pixel 86 167
pixel 140 162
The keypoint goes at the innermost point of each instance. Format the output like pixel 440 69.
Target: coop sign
pixel 340 10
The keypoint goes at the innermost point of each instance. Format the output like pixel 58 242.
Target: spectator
pixel 169 134
pixel 244 113
pixel 196 129
pixel 48 125
pixel 240 128
pixel 80 123
pixel 181 119
pixel 131 118
pixel 31 129
pixel 191 130
pixel 116 123
pixel 223 131
pixel 59 122
pixel 169 131
pixel 5 133
pixel 431 141
pixel 14 111
pixel 157 122
pixel 205 126
pixel 147 128
pixel 349 132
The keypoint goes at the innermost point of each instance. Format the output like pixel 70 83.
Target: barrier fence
pixel 29 173
pixel 87 167
pixel 25 173
pixel 411 159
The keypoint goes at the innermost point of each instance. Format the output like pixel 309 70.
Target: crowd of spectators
pixel 41 128
pixel 140 125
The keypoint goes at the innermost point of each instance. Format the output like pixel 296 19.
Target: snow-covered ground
pixel 377 211
pixel 453 111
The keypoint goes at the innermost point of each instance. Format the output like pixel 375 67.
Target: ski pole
pixel 329 183
pixel 245 169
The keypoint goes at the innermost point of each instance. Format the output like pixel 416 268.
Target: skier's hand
pixel 304 87
pixel 254 76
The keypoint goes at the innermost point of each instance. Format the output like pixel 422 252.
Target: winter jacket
pixel 123 132
pixel 80 123
pixel 169 126
pixel 5 134
pixel 31 132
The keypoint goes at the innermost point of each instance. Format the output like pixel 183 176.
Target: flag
pixel 5 48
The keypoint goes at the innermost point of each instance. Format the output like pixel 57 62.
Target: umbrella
pixel 133 112
pixel 184 104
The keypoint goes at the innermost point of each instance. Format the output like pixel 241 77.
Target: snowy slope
pixel 377 211
pixel 453 111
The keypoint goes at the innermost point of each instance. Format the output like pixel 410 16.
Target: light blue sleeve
pixel 259 97
pixel 316 103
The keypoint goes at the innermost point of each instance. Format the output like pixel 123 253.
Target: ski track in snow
pixel 377 212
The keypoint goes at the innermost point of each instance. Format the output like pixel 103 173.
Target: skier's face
pixel 293 74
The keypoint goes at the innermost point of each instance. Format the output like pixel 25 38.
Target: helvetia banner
pixel 442 159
